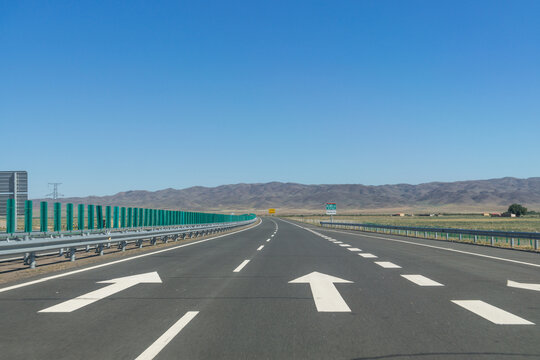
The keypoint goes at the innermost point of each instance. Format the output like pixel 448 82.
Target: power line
pixel 55 193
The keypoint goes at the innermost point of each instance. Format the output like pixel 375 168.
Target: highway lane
pixel 231 298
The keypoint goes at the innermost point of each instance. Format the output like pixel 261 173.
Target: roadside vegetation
pixel 529 223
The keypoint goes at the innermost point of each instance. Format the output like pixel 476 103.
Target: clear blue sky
pixel 110 96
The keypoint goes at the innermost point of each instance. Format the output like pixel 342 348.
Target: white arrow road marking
pixel 117 285
pixel 325 294
pixel 354 249
pixel 528 286
pixel 387 265
pixel 167 336
pixel 260 248
pixel 491 313
pixel 421 280
pixel 368 255
pixel 241 266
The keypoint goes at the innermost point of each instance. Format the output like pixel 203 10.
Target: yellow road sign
pixel 271 211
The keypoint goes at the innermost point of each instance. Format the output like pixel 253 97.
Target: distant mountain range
pixel 476 195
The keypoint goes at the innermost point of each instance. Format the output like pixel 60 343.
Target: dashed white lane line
pixel 491 313
pixel 442 248
pixel 527 286
pixel 338 242
pixel 422 280
pixel 267 240
pixel 344 245
pixel 167 336
pixel 241 266
pixel 368 256
pixel 387 265
pixel 354 249
pixel 260 248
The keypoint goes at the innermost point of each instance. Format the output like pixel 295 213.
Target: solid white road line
pixel 421 280
pixel 527 286
pixel 354 249
pixel 164 339
pixel 121 260
pixel 344 245
pixel 368 256
pixel 442 248
pixel 241 266
pixel 491 313
pixel 387 265
pixel 260 248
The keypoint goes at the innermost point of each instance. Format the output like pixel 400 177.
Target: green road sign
pixel 331 209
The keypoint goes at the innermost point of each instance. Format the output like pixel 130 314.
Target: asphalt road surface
pixel 284 291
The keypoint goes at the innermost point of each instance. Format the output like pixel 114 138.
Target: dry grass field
pixel 476 222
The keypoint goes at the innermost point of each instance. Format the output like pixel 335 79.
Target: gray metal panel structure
pixel 13 185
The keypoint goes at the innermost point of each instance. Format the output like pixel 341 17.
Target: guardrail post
pixel 80 216
pixel 57 216
pixel 32 260
pixel 71 254
pixel 492 241
pixel 536 244
pixel 43 217
pixel 475 238
pixel 69 217
pixel 512 242
pixel 28 213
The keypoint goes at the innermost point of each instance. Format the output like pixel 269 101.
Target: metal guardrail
pixel 508 239
pixel 32 246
